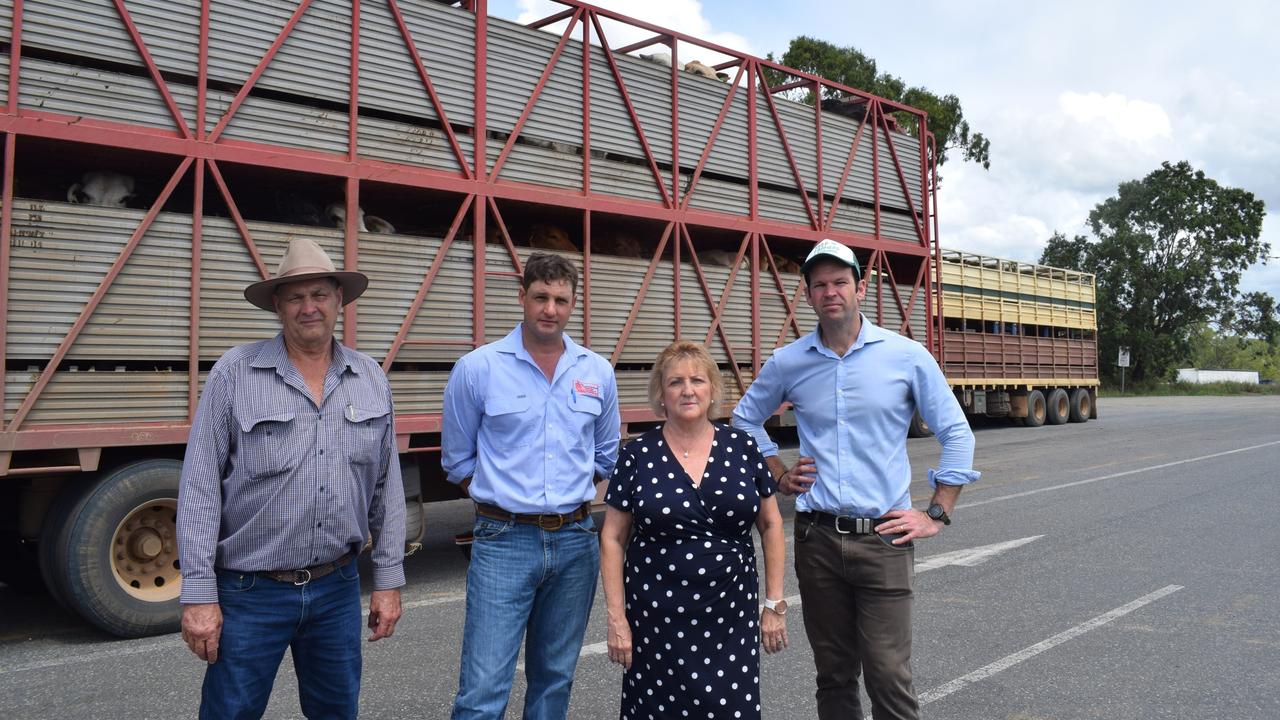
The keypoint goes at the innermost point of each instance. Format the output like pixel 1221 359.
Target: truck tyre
pixel 918 427
pixel 109 549
pixel 1036 409
pixel 1081 405
pixel 414 516
pixel 1057 407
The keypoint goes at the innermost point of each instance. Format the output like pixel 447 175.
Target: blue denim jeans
pixel 319 622
pixel 525 581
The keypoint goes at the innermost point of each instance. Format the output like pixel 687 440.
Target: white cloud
pixel 1134 120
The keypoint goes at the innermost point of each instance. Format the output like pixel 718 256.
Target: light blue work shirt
pixel 852 414
pixel 529 445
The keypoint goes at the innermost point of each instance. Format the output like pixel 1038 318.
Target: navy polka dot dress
pixel 690 580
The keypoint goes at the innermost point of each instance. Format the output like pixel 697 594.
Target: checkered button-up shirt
pixel 273 482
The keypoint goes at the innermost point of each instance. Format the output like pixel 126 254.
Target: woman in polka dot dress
pixel 682 614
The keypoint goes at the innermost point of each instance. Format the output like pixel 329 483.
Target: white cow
pixel 102 187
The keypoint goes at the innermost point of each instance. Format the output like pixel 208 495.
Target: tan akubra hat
pixel 305 260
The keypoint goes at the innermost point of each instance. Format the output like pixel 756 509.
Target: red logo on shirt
pixel 589 389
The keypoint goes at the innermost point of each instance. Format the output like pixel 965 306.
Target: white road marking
pixel 1113 476
pixel 428 602
pixel 1027 653
pixel 972 556
pixel 967 558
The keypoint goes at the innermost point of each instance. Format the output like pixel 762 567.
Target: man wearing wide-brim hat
pixel 290 465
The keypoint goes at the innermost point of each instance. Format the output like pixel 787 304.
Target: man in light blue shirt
pixel 530 422
pixel 854 387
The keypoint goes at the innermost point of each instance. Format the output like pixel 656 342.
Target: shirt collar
pixel 869 332
pixel 513 343
pixel 273 355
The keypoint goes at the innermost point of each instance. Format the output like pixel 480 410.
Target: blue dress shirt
pixel 852 414
pixel 529 445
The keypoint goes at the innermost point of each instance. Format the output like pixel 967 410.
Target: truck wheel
pixel 414 518
pixel 1036 409
pixel 1058 407
pixel 918 427
pixel 109 549
pixel 1081 405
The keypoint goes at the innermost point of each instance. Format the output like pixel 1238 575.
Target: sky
pixel 1075 98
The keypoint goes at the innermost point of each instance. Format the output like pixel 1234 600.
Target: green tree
pixel 1218 350
pixel 1257 315
pixel 851 67
pixel 1167 252
pixel 1064 252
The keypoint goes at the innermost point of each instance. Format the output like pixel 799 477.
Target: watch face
pixel 935 511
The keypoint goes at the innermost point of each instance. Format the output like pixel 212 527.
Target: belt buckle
pixel 841 530
pixel 301 577
pixel 544 525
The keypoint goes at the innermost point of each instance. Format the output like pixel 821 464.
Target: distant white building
pixel 1203 377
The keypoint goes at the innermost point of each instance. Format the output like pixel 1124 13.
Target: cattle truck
pixel 236 125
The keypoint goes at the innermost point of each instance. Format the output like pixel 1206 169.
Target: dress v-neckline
pixel 697 485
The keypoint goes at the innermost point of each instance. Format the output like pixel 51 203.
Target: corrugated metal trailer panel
pixel 517 58
pixel 409 144
pixel 61 253
pixel 878 285
pixel 101 94
pixel 313 63
pixel 719 196
pixel 397 265
pixel 85 396
pixel 226 319
pixel 100 397
pixel 445 40
pixel 980 355
pixel 537 166
pixel 649 87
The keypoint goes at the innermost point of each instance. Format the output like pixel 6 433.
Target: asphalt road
pixel 1124 568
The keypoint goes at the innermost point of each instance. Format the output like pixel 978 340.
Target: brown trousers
pixel 856 596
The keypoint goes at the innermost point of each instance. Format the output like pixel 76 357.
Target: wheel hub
pixel 144 552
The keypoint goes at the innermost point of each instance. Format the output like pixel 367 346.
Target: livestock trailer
pixel 239 124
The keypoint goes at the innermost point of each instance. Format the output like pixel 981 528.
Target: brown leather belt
pixel 842 524
pixel 547 521
pixel 306 575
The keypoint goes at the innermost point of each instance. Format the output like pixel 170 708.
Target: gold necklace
pixel 670 441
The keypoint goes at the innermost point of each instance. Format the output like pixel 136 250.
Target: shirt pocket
pixel 366 425
pixel 269 444
pixel 504 419
pixel 585 411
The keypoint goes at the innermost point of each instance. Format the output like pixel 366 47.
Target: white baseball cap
pixel 830 249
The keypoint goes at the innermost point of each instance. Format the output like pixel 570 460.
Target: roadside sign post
pixel 1123 362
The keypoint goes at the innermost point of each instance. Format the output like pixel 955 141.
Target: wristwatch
pixel 936 512
pixel 777 606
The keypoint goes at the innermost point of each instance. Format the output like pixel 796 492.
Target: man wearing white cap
pixel 854 387
pixel 290 465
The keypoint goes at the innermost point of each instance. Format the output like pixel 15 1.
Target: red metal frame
pixel 480 188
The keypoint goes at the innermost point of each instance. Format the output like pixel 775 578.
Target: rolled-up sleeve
pixel 386 514
pixel 759 402
pixel 460 424
pixel 940 409
pixel 200 491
